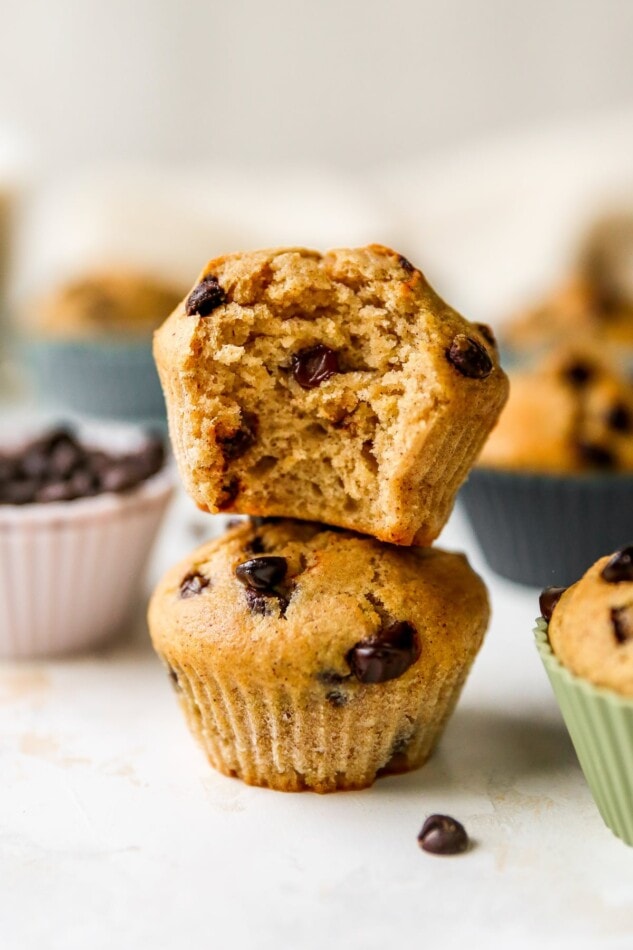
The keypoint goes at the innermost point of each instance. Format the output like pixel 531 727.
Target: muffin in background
pixel 553 486
pixel 88 344
pixel 306 657
pixel 585 638
pixel 596 300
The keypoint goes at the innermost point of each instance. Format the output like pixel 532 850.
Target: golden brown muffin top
pixel 107 301
pixel 571 413
pixel 591 626
pixel 313 595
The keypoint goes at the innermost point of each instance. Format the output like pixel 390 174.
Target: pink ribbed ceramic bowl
pixel 70 572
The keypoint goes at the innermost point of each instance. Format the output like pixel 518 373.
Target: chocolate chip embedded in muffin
pixel 406 264
pixel 193 584
pixel 548 600
pixel 313 366
pixel 619 568
pixel 387 655
pixel 622 620
pixel 469 357
pixel 442 834
pixel 487 333
pixel 239 442
pixel 262 573
pixel 578 373
pixel 595 455
pixel 205 297
pixel 619 418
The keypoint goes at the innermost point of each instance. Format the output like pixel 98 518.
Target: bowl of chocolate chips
pixel 553 488
pixel 80 508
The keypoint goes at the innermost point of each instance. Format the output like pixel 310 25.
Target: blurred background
pixel 141 137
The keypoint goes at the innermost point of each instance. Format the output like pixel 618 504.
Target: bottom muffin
pixel 311 658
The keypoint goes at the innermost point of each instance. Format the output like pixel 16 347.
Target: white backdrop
pixel 337 81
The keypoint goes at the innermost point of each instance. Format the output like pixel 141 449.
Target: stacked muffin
pixel 339 402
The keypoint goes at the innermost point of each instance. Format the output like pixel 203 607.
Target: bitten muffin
pixel 571 413
pixel 591 626
pixel 106 302
pixel 309 658
pixel 335 387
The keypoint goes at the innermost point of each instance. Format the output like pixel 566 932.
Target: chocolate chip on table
pixel 235 445
pixel 622 620
pixel 205 297
pixel 595 455
pixel 620 419
pixel 262 573
pixel 442 834
pixel 578 373
pixel 312 366
pixel 619 568
pixel 385 656
pixel 192 584
pixel 548 600
pixel 469 357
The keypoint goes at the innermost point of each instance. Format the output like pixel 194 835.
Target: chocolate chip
pixel 259 522
pixel 619 418
pixel 263 602
pixel 619 568
pixel 313 366
pixel 442 834
pixel 469 357
pixel 262 573
pixel 487 333
pixel 595 455
pixel 238 443
pixel 622 620
pixel 405 264
pixel 19 492
pixel 578 373
pixel 173 676
pixel 55 491
pixel 336 698
pixel 193 584
pixel 205 297
pixel 256 546
pixel 121 476
pixel 386 655
pixel 331 677
pixel 230 491
pixel 548 600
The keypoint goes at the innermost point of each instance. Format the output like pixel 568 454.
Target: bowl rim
pixel 559 478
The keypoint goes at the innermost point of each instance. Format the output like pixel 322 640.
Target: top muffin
pixel 337 388
pixel 571 413
pixel 105 302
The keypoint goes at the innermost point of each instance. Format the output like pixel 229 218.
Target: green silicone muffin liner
pixel 600 723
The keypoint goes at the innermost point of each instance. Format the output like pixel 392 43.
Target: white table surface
pixel 116 833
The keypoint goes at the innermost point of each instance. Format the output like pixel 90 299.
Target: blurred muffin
pixel 107 302
pixel 585 638
pixel 89 346
pixel 596 301
pixel 306 657
pixel 553 485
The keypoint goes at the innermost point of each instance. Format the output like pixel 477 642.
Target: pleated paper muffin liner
pixel 541 529
pixel 600 724
pixel 70 572
pixel 292 739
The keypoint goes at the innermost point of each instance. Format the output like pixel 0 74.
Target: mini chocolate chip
pixel 331 677
pixel 595 455
pixel 469 357
pixel 235 445
pixel 336 698
pixel 622 620
pixel 548 600
pixel 619 568
pixel 256 546
pixel 262 573
pixel 386 655
pixel 230 491
pixel 619 418
pixel 263 602
pixel 442 834
pixel 313 366
pixel 192 584
pixel 405 264
pixel 487 333
pixel 205 297
pixel 578 373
